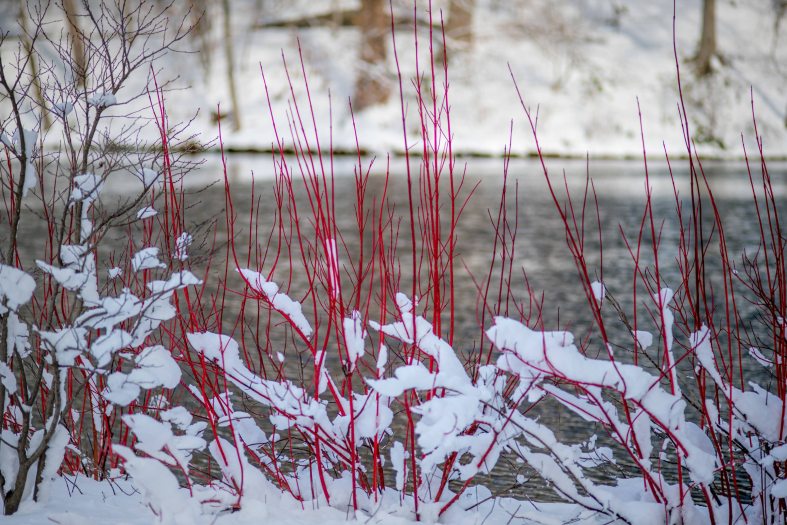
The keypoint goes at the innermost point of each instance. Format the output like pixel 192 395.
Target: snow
pixel 643 339
pixel 291 403
pixel 779 489
pixel 18 336
pixel 110 311
pixel 599 290
pixel 102 100
pixel 415 376
pixel 7 379
pixel 67 343
pixel 146 213
pixel 354 336
pixel 760 358
pixel 157 439
pixel 16 288
pixel 449 366
pixel 153 367
pixel 30 151
pixel 109 343
pixel 269 291
pixel 146 259
pixel 53 458
pixel 147 176
pixel 583 64
pixel 382 358
pixel 78 277
pixel 398 456
pixel 535 356
pixel 63 108
pixel 160 490
pixel 182 245
pixel 120 390
pixel 157 308
pixel 371 417
pixel 87 187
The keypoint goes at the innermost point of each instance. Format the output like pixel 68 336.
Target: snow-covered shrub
pixel 703 442
pixel 78 341
pixel 344 381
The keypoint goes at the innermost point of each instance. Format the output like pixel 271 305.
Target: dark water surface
pixel 620 191
pixel 541 243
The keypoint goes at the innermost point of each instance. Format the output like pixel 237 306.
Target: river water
pixel 620 192
pixel 541 243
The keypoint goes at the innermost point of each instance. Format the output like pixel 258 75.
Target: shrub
pixel 78 343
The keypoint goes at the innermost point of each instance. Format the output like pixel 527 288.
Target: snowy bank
pixel 583 64
pixel 75 501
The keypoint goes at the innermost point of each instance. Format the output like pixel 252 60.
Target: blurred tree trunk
pixel 77 45
pixel 459 26
pixel 201 20
pixel 229 56
pixel 46 119
pixel 780 8
pixel 707 48
pixel 373 23
pixel 458 29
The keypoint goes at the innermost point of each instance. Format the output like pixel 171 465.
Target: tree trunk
pixel 370 86
pixel 78 49
pixel 458 30
pixel 229 56
pixel 707 48
pixel 46 119
pixel 459 26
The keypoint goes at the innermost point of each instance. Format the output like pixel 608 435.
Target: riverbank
pixel 586 82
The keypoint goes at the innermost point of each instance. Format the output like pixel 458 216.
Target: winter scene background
pixel 388 262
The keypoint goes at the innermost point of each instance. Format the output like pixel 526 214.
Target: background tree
pixel 459 25
pixel 229 57
pixel 77 46
pixel 81 83
pixel 371 86
pixel 707 47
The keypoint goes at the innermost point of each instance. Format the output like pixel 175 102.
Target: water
pixel 541 247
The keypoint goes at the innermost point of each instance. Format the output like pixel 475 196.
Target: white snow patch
pixel 280 302
pixel 102 100
pixel 146 213
pixel 146 259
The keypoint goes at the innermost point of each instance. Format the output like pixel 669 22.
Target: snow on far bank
pixel 582 63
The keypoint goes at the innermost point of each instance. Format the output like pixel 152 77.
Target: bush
pixel 380 408
pixel 78 343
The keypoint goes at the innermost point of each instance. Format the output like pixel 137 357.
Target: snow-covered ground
pixel 582 63
pixel 75 502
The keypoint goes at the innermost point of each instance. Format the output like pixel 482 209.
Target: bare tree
pixel 46 119
pixel 77 47
pixel 229 57
pixel 707 48
pixel 459 25
pixel 80 82
pixel 371 87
